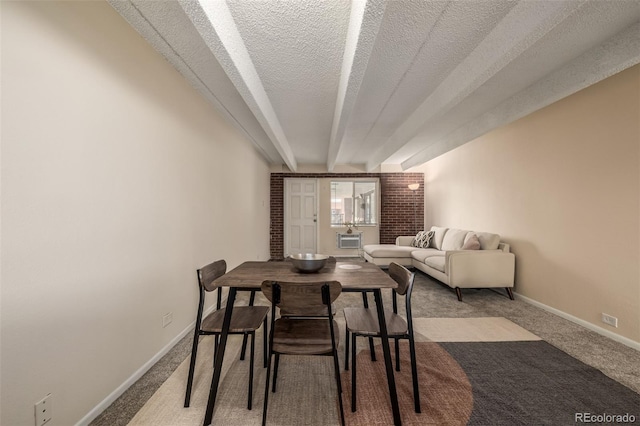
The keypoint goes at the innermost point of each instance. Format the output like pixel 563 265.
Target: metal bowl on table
pixel 308 262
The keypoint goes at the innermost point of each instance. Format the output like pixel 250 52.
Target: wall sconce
pixel 414 187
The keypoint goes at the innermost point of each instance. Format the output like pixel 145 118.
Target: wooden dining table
pixel 354 277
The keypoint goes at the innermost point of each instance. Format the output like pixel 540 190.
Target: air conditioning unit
pixel 349 241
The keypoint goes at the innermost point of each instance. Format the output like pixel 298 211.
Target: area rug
pixel 496 383
pixel 477 371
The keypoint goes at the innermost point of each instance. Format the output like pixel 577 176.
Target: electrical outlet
pixel 44 410
pixel 166 319
pixel 610 320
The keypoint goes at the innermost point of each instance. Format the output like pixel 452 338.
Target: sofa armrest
pixel 404 240
pixel 480 268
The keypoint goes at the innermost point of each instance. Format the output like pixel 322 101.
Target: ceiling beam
pixel 215 24
pixel 524 25
pixel 616 54
pixel 131 12
pixel 364 24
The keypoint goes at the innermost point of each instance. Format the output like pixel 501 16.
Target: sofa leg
pixel 459 294
pixel 510 293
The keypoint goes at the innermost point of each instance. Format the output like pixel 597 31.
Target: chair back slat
pixel 208 274
pixel 301 298
pixel 402 276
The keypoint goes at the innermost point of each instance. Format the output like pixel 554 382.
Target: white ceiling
pixel 373 82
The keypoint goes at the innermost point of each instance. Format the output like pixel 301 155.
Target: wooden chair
pixel 364 322
pixel 299 334
pixel 319 311
pixel 245 320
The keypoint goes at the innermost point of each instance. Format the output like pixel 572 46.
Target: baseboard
pixel 604 332
pixel 98 409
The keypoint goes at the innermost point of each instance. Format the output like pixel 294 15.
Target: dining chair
pixel 245 320
pixel 365 303
pixel 364 322
pixel 319 311
pixel 298 334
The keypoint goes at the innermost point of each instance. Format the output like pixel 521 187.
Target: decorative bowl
pixel 308 262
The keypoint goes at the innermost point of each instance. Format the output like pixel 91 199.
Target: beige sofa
pixel 492 265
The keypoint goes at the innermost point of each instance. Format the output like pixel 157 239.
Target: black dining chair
pixel 299 334
pixel 364 322
pixel 245 320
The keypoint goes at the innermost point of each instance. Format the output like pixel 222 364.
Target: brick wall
pixel 396 209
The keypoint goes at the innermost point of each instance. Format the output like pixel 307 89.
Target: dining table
pixel 355 276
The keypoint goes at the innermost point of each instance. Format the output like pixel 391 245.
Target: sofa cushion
pixel 471 242
pixel 436 262
pixel 388 250
pixel 421 255
pixel 453 239
pixel 488 241
pixel 438 235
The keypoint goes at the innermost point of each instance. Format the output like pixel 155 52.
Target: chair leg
pixel 397 354
pixel 346 350
pixel 244 347
pixel 353 372
pixel 265 348
pixel 414 374
pixel 459 294
pixel 371 349
pixel 251 361
pixel 365 302
pixel 275 372
pixel 244 338
pixel 266 392
pixel 216 340
pixel 192 366
pixel 336 367
pixel 510 293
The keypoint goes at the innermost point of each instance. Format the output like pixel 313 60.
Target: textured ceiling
pixel 367 83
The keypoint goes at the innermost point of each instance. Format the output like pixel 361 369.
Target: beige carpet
pixel 306 388
pixel 485 329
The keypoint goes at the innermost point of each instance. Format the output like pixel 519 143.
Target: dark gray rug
pixel 525 383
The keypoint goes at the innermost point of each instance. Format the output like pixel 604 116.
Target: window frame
pixel 354 181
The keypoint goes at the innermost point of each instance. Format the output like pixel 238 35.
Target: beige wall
pixel 562 185
pixel 118 181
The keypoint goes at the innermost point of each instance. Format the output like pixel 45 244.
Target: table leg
pixel 377 294
pixel 217 366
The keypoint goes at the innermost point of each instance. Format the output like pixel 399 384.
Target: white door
pixel 301 216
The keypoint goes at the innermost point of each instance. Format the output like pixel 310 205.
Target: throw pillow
pixel 429 239
pixel 472 243
pixel 418 240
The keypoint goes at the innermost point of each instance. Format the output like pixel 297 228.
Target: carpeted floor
pixel 489 357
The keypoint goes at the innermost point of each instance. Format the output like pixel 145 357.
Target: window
pixel 354 202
